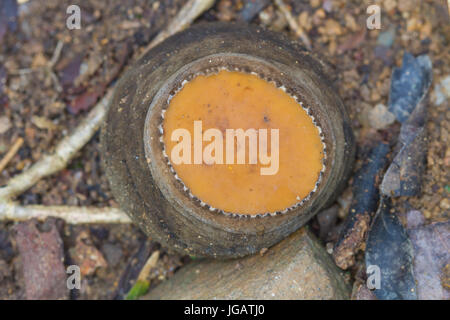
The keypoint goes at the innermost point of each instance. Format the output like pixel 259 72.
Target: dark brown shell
pixel 139 175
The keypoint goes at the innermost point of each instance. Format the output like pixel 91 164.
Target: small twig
pixel 363 207
pixel 149 265
pixel 22 72
pixel 133 267
pixel 55 80
pixel 52 63
pixel 293 23
pixel 11 153
pixel 56 54
pixel 187 14
pixel 142 283
pixel 71 214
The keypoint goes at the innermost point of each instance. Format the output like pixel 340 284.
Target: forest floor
pixel 41 108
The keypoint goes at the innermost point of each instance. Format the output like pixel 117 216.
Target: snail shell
pixel 141 177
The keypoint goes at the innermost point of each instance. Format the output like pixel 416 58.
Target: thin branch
pixel 190 11
pixel 149 265
pixel 11 153
pixel 71 214
pixel 56 55
pixel 299 32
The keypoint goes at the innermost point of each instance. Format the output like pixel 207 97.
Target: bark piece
pixel 404 175
pixel 87 99
pixel 409 84
pixel 363 207
pixel 296 268
pixel 389 248
pixel 42 254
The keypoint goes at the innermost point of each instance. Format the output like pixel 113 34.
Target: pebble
pixel 86 255
pixel 305 20
pixel 406 5
pixel 389 5
pixel 444 204
pixel 442 90
pixel 113 253
pixel 386 38
pixel 314 3
pixel 5 124
pixel 380 117
pixel 332 27
pixel 328 6
pixel 350 22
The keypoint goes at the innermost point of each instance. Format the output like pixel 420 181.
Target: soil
pixel 41 107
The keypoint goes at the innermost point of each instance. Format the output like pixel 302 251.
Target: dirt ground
pixel 41 106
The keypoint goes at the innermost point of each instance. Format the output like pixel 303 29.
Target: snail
pixel 224 139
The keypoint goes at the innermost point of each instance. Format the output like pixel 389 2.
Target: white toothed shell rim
pixel 203 204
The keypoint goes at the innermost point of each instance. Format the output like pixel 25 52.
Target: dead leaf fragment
pixel 42 256
pixel 86 255
pixel 431 245
pixel 43 123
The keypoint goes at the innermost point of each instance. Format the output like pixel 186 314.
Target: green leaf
pixel 138 290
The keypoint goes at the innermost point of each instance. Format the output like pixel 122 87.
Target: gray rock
pixel 296 268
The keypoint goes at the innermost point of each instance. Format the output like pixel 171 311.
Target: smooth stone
pixel 296 268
